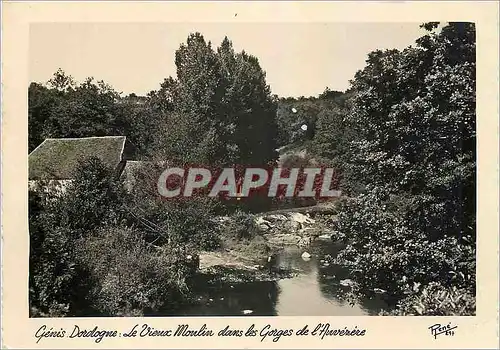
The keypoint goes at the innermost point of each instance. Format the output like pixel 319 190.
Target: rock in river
pixel 301 218
pixel 306 256
pixel 346 283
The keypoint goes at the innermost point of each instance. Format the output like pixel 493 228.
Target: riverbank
pixel 245 257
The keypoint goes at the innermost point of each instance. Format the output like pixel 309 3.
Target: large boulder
pixel 263 224
pixel 289 228
pixel 301 219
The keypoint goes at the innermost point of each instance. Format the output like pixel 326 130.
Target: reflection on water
pixel 233 299
pixel 315 291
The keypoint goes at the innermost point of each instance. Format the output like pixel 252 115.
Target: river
pixel 314 290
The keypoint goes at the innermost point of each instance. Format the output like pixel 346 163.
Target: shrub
pixel 175 221
pixel 436 300
pixel 57 220
pixel 68 244
pixel 241 225
pixel 94 199
pixel 390 252
pixel 129 276
pixel 241 233
pixel 52 270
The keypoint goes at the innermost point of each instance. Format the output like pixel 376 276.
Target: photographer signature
pixel 439 329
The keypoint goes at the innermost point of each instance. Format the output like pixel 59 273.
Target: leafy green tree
pixel 413 117
pixel 41 103
pixel 249 107
pixel 66 109
pixel 198 93
pixel 93 199
pixel 292 113
pixel 60 81
pixel 219 110
pixel 87 110
pixel 143 125
pixel 332 135
pixel 410 164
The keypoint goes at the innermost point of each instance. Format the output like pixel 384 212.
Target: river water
pixel 315 290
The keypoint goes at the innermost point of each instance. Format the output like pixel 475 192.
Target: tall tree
pixel 220 108
pixel 249 105
pixel 411 163
pixel 198 95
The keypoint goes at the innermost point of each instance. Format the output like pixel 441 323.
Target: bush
pixel 129 276
pixel 389 252
pixel 52 270
pixel 240 226
pixel 95 198
pixel 79 246
pixel 176 221
pixel 57 220
pixel 436 300
pixel 242 234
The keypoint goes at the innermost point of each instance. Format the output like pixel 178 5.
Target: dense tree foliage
pixel 64 109
pixel 293 113
pixel 221 107
pixel 410 165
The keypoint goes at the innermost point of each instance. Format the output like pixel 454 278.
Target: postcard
pixel 196 175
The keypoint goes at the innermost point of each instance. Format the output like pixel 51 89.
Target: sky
pixel 300 59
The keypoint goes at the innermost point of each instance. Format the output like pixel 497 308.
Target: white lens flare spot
pixel 294 110
pixel 304 127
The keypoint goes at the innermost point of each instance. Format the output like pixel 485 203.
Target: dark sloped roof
pixel 57 158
